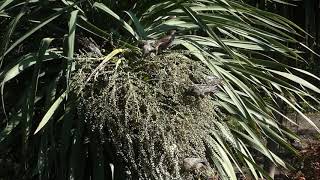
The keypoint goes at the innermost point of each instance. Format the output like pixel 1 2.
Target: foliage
pixel 249 49
pixel 144 110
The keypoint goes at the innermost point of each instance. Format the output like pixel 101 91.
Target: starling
pixel 147 47
pixel 192 164
pixel 213 80
pixel 210 87
pixel 90 45
pixel 164 42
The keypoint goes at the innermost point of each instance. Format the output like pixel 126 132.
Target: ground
pixel 307 165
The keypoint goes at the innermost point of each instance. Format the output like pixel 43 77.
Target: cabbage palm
pixel 253 52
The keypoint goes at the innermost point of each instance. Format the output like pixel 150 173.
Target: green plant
pixel 249 49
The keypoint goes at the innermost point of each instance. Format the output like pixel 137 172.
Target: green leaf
pixel 209 31
pixel 70 48
pixel 39 26
pixel 139 27
pixel 297 79
pixel 13 123
pixel 7 36
pixel 257 167
pixel 5 3
pixel 72 32
pixel 120 20
pixel 50 112
pixel 35 77
pixel 86 25
pixel 25 62
pixel 298 111
pixel 220 159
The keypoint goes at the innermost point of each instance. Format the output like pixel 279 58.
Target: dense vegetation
pixel 82 98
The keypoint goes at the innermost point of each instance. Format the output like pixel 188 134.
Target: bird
pixel 164 42
pixel 211 86
pixel 147 47
pixel 192 164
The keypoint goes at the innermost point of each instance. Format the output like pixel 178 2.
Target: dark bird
pixel 164 42
pixel 88 44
